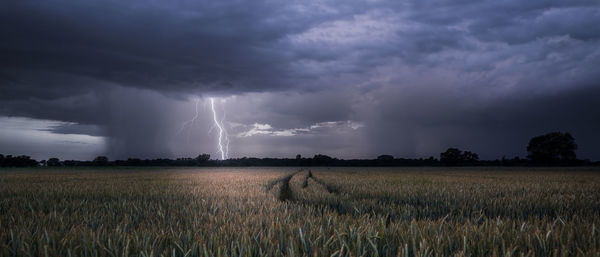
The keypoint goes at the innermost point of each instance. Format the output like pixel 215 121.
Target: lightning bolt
pixel 222 132
pixel 192 120
pixel 226 136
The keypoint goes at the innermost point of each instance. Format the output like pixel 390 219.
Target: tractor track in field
pixel 286 192
pixel 282 179
pixel 330 188
pixel 340 202
pixel 340 206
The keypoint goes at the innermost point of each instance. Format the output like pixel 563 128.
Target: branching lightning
pixel 223 138
pixel 192 120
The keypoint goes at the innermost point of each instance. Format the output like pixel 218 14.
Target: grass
pixel 287 212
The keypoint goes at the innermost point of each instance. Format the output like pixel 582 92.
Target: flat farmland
pixel 300 212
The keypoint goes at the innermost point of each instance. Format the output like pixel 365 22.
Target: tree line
pixel 552 149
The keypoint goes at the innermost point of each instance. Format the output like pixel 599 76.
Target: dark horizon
pixel 552 149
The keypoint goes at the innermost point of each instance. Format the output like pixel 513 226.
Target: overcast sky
pixel 350 79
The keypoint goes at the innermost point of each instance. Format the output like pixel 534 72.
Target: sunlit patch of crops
pixel 332 212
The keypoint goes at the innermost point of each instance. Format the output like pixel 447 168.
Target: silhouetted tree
pixel 203 158
pixel 515 161
pixel 452 156
pixel 17 161
pixel 53 162
pixel 385 157
pixel 298 157
pixel 133 162
pixel 73 163
pixel 552 147
pixel 469 156
pixel 321 159
pixel 100 161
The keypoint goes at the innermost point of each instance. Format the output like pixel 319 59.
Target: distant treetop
pixel 552 147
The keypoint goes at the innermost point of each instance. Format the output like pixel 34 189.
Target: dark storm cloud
pixel 180 46
pixel 420 75
pixel 87 108
pixel 406 125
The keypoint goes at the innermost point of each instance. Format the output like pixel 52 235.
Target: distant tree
pixel 202 158
pixel 17 161
pixel 515 161
pixel 385 157
pixel 298 157
pixel 53 162
pixel 551 147
pixel 133 162
pixel 469 156
pixel 454 156
pixel 100 161
pixel 72 163
pixel 321 159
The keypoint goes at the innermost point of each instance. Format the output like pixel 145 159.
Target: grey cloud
pixel 85 108
pixel 144 45
pixel 420 75
pixel 574 22
pixel 419 123
pixel 75 128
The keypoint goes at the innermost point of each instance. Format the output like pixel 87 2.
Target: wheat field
pixel 300 212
